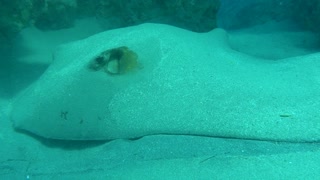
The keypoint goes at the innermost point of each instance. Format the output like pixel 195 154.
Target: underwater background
pixel 41 40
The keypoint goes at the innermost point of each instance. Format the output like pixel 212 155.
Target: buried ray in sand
pixel 190 83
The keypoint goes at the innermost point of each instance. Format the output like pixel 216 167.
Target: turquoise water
pixel 206 90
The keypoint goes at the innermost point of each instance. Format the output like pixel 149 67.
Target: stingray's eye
pixel 100 60
pixel 116 53
pixel 115 61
